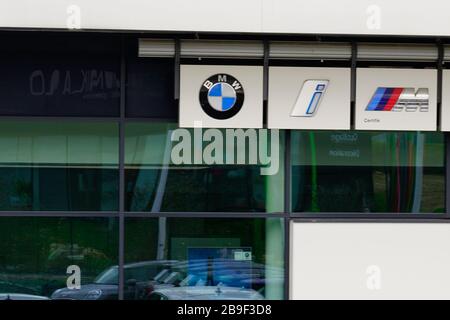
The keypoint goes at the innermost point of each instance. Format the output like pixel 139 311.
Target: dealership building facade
pixel 161 151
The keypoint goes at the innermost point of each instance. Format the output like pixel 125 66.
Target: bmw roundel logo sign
pixel 221 96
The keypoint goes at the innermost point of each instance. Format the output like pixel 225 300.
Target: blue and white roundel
pixel 222 96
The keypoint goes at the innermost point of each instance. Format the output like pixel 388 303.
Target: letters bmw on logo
pixel 221 96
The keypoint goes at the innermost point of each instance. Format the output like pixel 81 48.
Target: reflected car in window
pixel 19 296
pixel 139 277
pixel 205 293
pixel 201 279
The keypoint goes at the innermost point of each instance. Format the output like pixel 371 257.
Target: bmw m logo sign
pixel 396 99
pixel 221 96
pixel 399 99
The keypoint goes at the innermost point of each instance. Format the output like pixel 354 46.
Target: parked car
pixel 19 296
pixel 138 277
pixel 225 277
pixel 205 293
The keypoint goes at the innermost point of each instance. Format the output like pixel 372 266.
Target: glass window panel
pixel 156 182
pixel 49 166
pixel 59 85
pixel 150 88
pixel 44 257
pixel 200 258
pixel 386 172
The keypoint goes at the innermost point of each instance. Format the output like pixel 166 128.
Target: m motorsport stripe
pixel 395 95
pixel 384 99
pixel 376 99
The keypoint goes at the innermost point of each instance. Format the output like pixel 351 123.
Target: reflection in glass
pixel 204 259
pixel 50 166
pixel 154 183
pixel 35 254
pixel 368 172
pixel 49 84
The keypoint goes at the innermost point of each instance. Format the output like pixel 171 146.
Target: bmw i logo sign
pixel 221 96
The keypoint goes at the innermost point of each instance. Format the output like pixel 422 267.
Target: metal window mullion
pixel 353 86
pixel 440 64
pixel 177 60
pixel 266 82
pixel 60 118
pixel 447 175
pixel 60 214
pixel 287 213
pixel 122 174
pixel 231 215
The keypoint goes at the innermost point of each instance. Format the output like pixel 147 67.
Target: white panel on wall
pixel 309 98
pixel 384 17
pixel 396 99
pixel 370 261
pixel 155 15
pixel 215 96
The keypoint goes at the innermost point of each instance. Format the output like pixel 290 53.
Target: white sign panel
pixel 370 261
pixel 384 17
pixel 445 113
pixel 396 99
pixel 214 96
pixel 309 98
